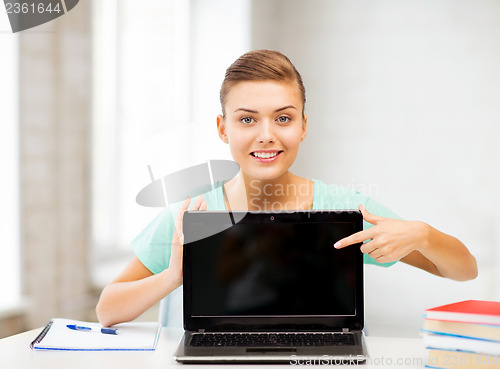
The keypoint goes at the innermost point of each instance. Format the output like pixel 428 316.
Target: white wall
pixel 402 105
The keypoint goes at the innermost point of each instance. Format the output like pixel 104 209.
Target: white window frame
pixel 10 270
pixel 201 48
pixel 119 158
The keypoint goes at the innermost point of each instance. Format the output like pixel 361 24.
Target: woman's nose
pixel 266 133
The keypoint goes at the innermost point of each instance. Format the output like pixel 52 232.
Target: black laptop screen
pixel 274 269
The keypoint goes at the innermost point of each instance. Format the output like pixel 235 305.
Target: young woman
pixel 263 122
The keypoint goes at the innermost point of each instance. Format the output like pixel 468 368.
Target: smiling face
pixel 264 126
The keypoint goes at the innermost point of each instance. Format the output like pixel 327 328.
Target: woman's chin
pixel 264 175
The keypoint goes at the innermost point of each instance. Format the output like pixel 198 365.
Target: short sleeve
pixel 152 245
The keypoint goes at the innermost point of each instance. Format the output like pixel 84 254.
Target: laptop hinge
pixel 201 330
pixel 345 330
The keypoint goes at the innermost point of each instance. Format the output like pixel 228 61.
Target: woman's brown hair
pixel 260 65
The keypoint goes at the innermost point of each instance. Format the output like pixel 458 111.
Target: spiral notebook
pixel 134 336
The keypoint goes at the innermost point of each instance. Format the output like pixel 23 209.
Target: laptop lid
pixel 272 271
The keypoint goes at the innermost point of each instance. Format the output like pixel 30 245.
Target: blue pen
pixel 88 329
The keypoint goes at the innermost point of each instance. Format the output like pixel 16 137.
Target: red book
pixel 470 311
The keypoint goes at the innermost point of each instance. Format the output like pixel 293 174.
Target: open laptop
pixel 270 287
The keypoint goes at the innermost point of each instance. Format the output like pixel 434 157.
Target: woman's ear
pixel 221 128
pixel 304 128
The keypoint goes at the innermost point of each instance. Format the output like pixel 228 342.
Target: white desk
pixel 16 353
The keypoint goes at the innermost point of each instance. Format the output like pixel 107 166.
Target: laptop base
pixel 313 355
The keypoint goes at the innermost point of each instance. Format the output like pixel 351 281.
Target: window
pixel 133 89
pixel 157 72
pixel 9 162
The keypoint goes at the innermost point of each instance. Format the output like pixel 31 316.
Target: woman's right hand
pixel 175 263
pixel 136 289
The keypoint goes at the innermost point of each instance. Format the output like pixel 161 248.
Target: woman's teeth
pixel 265 155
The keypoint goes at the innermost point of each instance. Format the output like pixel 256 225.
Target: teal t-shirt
pixel 152 245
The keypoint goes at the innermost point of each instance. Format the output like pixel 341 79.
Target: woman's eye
pixel 247 120
pixel 283 119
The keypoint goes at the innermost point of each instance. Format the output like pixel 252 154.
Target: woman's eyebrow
pixel 285 107
pixel 247 110
pixel 256 112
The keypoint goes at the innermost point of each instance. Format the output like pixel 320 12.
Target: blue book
pixel 451 342
pixel 452 359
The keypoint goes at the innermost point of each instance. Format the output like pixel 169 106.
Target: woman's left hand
pixel 389 239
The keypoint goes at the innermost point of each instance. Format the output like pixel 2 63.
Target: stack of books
pixel 463 335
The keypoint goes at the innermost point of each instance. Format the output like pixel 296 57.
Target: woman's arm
pixel 415 243
pixel 136 289
pixel 443 255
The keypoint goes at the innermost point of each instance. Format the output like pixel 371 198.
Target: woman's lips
pixel 266 156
